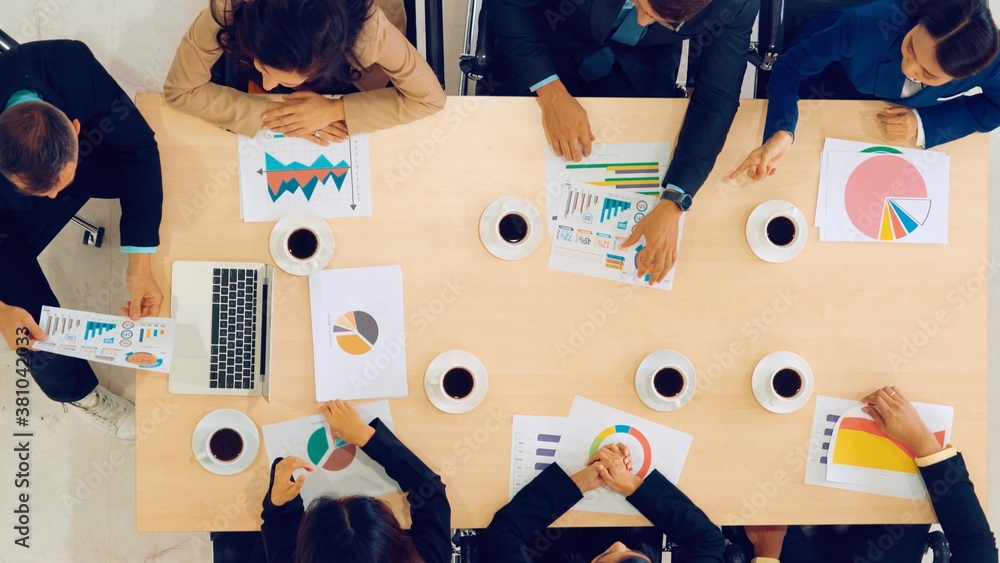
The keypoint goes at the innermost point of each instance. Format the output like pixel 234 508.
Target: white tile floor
pixel 83 502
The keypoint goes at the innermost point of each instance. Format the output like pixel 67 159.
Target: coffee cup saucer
pixel 761 382
pixel 225 418
pixel 294 221
pixel 757 240
pixel 492 240
pixel 443 363
pixel 647 368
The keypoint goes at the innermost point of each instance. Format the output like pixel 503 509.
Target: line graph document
pixel 281 175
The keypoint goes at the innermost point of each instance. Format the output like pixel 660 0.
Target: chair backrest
pixel 433 33
pixel 6 42
pixel 779 19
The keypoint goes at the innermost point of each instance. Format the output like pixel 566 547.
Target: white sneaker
pixel 113 414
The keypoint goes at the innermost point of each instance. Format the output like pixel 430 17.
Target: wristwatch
pixel 683 200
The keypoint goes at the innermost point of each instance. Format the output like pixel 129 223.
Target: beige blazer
pixel 382 51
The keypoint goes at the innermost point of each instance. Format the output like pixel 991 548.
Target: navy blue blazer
pixel 866 41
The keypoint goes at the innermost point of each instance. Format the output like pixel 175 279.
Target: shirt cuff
pixel 674 188
pixel 138 249
pixel 921 139
pixel 764 560
pixel 545 81
pixel 942 455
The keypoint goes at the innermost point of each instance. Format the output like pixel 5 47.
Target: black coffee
pixel 226 444
pixel 302 244
pixel 458 383
pixel 787 383
pixel 668 382
pixel 781 231
pixel 513 228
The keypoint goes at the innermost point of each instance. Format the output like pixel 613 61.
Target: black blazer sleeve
pixel 958 510
pixel 673 513
pixel 518 529
pixel 430 529
pixel 112 124
pixel 716 97
pixel 520 29
pixel 281 525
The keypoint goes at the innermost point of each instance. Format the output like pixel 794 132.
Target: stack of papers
pixel 108 339
pixel 847 450
pixel 870 193
pixel 538 441
pixel 593 206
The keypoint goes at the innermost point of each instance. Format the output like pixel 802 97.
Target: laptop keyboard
pixel 234 317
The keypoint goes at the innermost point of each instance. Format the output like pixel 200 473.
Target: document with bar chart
pixel 108 339
pixel 592 224
pixel 631 167
pixel 533 447
pixel 281 175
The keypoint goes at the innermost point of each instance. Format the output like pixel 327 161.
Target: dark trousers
pixel 886 543
pixel 23 236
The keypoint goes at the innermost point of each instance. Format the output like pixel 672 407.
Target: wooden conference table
pixel 862 315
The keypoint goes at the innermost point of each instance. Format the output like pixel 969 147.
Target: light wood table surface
pixel 546 336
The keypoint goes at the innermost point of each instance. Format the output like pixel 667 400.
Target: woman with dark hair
pixel 314 47
pixel 518 532
pixel 357 529
pixel 922 57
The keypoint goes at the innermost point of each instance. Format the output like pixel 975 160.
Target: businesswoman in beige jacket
pixel 313 47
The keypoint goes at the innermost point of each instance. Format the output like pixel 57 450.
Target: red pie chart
pixel 886 197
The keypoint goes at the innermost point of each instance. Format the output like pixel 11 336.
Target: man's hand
pixel 18 328
pixel 285 489
pixel 145 297
pixel 660 228
pixel 898 418
pixel 897 123
pixel 565 121
pixel 614 464
pixel 303 114
pixel 766 540
pixel 346 424
pixel 763 161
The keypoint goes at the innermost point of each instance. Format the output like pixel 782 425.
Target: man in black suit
pixel 69 133
pixel 519 534
pixel 559 49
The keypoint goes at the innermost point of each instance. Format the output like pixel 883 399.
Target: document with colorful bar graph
pixel 281 175
pixel 592 224
pixel 146 344
pixel 636 168
pixel 849 451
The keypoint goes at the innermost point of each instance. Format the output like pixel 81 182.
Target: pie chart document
pixel 341 469
pixel 359 337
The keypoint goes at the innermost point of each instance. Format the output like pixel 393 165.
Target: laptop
pixel 223 312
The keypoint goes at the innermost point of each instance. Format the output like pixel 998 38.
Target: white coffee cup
pixel 512 227
pixel 301 244
pixel 780 230
pixel 208 455
pixel 456 383
pixel 668 382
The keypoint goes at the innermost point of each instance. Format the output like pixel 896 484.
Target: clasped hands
pixel 309 116
pixel 611 466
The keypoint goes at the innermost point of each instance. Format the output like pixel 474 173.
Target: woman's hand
pixel 285 489
pixel 897 123
pixel 588 479
pixel 614 465
pixel 346 424
pixel 304 114
pixel 763 162
pixel 18 327
pixel 898 418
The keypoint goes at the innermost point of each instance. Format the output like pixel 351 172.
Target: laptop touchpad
pixel 194 328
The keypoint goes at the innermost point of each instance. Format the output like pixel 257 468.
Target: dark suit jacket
pixel 430 512
pixel 959 512
pixel 545 37
pixel 118 155
pixel 518 530
pixel 866 42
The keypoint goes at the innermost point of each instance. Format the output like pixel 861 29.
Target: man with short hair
pixel 69 133
pixel 560 49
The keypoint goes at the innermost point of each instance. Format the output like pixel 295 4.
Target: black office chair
pixel 937 544
pixel 92 234
pixel 224 72
pixel 779 19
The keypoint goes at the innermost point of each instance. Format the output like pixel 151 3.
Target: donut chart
pixel 320 453
pixel 356 332
pixel 647 452
pixel 886 198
